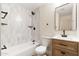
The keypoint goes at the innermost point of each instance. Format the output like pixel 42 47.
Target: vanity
pixel 61 46
pixel 65 20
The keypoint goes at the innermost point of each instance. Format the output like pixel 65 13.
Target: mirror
pixel 65 17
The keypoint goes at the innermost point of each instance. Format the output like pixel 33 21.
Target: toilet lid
pixel 41 49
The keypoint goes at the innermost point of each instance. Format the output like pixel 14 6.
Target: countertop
pixel 68 38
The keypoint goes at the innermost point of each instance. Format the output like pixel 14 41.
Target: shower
pixel 34 27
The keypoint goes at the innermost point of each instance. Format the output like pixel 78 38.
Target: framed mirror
pixel 66 17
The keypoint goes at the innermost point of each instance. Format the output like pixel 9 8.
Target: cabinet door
pixel 49 48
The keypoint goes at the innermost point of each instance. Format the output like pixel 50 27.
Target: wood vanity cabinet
pixel 78 48
pixel 64 48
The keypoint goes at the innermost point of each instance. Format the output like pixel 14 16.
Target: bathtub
pixel 25 49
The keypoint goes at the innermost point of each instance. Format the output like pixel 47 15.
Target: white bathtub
pixel 25 49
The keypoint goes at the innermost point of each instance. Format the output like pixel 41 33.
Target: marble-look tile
pixel 16 32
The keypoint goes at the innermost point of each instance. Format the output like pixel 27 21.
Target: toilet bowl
pixel 41 50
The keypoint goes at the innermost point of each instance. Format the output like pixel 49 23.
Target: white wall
pixel 46 17
pixel 78 19
pixel 18 20
pixel 0 30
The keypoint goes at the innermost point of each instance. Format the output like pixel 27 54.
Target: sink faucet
pixel 4 47
pixel 63 32
pixel 63 35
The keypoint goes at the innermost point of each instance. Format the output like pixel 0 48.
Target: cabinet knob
pixel 63 52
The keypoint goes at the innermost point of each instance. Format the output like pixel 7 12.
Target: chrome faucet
pixel 63 32
pixel 64 35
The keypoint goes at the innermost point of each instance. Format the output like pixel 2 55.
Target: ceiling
pixel 26 5
pixel 32 5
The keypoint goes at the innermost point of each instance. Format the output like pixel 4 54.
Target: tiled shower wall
pixel 16 31
pixel 0 30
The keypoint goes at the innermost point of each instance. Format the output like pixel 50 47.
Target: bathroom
pixel 32 29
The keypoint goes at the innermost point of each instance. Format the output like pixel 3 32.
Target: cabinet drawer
pixel 60 52
pixel 65 44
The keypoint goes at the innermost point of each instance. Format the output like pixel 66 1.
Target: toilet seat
pixel 40 50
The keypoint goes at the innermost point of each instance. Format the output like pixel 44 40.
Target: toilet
pixel 40 50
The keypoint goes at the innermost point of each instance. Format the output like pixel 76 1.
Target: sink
pixel 69 37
